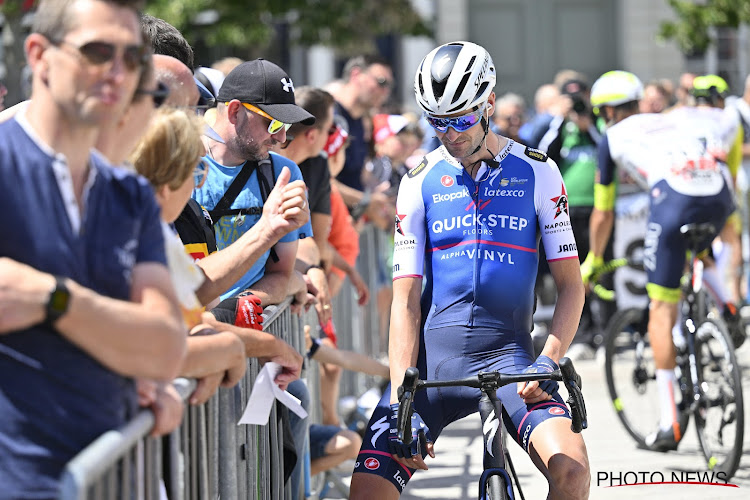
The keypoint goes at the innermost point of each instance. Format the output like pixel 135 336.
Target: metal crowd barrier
pixel 209 456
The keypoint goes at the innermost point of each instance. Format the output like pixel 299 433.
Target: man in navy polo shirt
pixel 86 303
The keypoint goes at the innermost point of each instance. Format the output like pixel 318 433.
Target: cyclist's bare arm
pixel 403 343
pixel 600 230
pixel 570 298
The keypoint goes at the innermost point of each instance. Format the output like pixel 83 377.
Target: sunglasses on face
pixel 200 173
pixel 458 123
pixel 158 95
pixel 383 82
pixel 275 126
pixel 134 57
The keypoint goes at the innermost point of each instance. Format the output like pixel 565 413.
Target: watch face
pixel 59 301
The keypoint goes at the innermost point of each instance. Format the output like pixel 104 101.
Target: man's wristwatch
pixel 57 304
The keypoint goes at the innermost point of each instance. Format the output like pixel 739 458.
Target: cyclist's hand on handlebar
pixel 534 392
pixel 589 267
pixel 410 455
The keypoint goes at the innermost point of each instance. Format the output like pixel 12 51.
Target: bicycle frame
pixel 490 410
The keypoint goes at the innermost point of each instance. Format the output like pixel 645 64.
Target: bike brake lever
pixel 573 384
pixel 405 399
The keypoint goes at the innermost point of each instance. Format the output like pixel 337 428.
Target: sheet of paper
pixel 264 392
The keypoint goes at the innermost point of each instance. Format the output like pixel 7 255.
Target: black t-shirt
pixel 356 153
pixel 318 179
pixel 196 230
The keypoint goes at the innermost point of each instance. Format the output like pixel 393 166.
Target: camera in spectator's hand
pixel 579 105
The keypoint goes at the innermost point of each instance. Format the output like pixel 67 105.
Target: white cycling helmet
pixel 454 77
pixel 616 87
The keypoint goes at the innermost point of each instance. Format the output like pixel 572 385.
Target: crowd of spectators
pixel 250 190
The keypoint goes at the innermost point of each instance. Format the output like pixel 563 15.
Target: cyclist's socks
pixel 678 338
pixel 712 278
pixel 665 382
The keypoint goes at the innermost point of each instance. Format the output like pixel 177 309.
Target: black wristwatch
pixel 57 304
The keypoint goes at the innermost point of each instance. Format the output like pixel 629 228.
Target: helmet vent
pixel 461 86
pixel 471 63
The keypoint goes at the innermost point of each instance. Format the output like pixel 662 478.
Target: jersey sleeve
pixel 553 214
pixel 409 235
pixel 604 188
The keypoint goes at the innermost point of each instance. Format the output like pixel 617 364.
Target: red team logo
pixel 372 463
pixel 561 202
pixel 446 181
pixel 556 410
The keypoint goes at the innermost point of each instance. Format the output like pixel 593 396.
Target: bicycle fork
pixel 490 411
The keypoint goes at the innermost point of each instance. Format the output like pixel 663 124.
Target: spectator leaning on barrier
pixel 169 156
pixel 86 305
pixel 256 107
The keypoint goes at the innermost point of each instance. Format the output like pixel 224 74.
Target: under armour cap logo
pixel 288 85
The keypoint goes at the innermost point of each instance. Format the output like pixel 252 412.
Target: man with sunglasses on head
pixel 87 304
pixel 256 109
pixel 469 219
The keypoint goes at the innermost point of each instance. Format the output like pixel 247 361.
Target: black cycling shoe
pixel 734 323
pixel 662 441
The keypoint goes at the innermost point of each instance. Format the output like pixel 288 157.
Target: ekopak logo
pixel 446 181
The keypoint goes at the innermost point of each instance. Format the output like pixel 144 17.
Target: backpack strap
pixel 266 175
pixel 223 207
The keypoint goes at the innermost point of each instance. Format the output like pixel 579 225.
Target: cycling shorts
pixel 451 353
pixel 665 247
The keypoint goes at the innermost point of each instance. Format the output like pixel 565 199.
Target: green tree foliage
pixel 349 25
pixel 691 30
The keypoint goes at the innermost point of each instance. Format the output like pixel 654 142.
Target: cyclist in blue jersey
pixel 469 219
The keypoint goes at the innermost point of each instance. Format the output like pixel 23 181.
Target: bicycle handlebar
pixel 491 381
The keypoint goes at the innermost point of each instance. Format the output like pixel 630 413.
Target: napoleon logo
pixel 288 85
pixel 399 219
pixel 561 202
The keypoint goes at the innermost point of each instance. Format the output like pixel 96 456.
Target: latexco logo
pixel 612 479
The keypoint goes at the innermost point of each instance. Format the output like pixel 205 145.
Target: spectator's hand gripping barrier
pixel 249 312
pixel 544 364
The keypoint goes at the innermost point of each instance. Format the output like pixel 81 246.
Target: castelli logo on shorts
pixel 556 410
pixel 372 463
pixel 446 181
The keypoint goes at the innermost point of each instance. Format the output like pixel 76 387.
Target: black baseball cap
pixel 265 85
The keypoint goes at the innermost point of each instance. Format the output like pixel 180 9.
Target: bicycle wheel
pixel 630 372
pixel 719 417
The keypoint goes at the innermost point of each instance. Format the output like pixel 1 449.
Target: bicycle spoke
pixel 720 415
pixel 630 373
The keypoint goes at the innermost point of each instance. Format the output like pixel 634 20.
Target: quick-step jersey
pixel 475 242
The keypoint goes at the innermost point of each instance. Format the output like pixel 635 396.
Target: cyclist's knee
pixel 570 478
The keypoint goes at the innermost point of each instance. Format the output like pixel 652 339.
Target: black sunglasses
pixel 159 94
pixel 97 53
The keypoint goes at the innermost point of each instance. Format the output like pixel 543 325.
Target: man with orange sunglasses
pixel 255 109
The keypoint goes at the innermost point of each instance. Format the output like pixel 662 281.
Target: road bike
pixel 709 378
pixel 495 482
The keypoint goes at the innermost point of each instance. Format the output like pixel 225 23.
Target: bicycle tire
pixel 721 404
pixel 630 372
